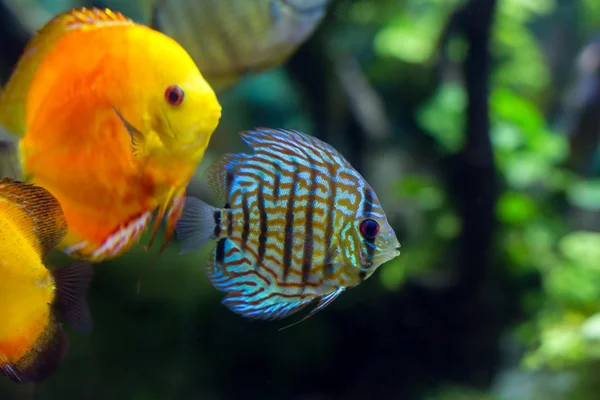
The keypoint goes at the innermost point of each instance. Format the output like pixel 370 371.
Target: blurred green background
pixel 486 163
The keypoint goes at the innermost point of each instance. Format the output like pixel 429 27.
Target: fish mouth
pixel 389 255
pixel 312 9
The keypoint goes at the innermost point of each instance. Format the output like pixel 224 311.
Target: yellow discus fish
pixel 114 118
pixel 32 342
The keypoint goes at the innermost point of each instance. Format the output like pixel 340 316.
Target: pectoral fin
pixel 137 138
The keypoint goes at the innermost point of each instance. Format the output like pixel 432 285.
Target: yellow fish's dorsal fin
pixel 13 97
pixel 35 211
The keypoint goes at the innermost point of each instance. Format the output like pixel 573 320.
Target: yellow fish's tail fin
pixel 45 355
pixel 13 97
pixel 36 212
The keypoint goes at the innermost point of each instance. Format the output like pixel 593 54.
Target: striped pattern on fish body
pixel 230 38
pixel 291 228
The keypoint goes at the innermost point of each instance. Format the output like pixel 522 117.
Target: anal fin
pixel 252 293
pixel 323 302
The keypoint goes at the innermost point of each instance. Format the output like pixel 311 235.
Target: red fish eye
pixel 369 228
pixel 174 95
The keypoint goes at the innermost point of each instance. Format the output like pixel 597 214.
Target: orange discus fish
pixel 32 342
pixel 114 118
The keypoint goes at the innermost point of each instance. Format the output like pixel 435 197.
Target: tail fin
pixel 72 283
pixel 196 226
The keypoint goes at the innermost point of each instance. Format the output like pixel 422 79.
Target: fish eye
pixel 174 95
pixel 369 228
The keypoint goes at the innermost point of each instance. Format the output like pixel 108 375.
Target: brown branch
pixel 474 180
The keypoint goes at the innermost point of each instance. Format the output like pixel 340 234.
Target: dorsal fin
pixel 13 97
pixel 221 174
pixel 293 143
pixel 35 211
pixel 267 137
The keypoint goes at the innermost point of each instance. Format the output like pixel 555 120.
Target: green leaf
pixel 591 328
pixel 508 106
pixel 424 190
pixel 515 208
pixel 585 194
pixel 590 16
pixel 525 169
pixel 413 35
pixel 552 147
pixel 561 344
pixel 582 247
pixel 443 116
pixel 506 136
pixel 448 226
pixel 573 286
pixel 523 65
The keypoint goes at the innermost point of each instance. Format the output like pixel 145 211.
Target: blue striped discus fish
pixel 299 224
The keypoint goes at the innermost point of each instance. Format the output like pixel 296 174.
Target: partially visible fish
pixel 32 341
pixel 231 38
pixel 299 224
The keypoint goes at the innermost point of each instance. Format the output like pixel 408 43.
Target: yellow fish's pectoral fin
pixel 13 97
pixel 44 356
pixel 137 138
pixel 35 211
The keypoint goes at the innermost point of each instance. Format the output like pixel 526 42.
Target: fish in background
pixel 112 117
pixel 229 39
pixel 32 340
pixel 299 223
